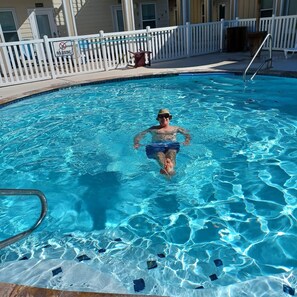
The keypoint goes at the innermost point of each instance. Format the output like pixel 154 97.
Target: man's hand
pixel 136 145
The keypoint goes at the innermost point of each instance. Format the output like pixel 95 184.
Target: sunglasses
pixel 162 116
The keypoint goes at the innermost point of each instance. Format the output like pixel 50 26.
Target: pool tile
pixel 24 258
pixel 288 290
pixel 151 264
pixel 213 277
pixel 218 262
pixel 57 271
pixel 198 288
pixel 139 285
pixel 83 258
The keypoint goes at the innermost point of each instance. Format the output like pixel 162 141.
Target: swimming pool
pixel 227 216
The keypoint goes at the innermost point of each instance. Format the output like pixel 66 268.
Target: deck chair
pixel 290 50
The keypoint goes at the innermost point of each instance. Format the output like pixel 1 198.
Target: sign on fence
pixel 63 48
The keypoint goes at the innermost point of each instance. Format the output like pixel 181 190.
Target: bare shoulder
pixel 153 128
pixel 175 128
pixel 178 128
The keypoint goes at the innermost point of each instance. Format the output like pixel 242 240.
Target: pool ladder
pixel 24 192
pixel 268 61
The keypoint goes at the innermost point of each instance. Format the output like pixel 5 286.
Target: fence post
pixel 148 39
pixel 49 56
pixel 272 26
pixel 222 36
pixel 103 47
pixel 188 39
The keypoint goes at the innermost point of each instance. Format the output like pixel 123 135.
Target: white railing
pixel 23 62
pixel 206 39
pixel 283 29
pixel 34 60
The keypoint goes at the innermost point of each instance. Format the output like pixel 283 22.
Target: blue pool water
pixel 227 216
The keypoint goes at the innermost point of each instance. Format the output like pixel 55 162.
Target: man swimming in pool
pixel 164 146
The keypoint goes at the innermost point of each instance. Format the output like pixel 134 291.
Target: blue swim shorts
pixel 156 147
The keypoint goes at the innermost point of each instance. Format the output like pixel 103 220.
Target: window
pixel 148 13
pixel 266 8
pixel 8 24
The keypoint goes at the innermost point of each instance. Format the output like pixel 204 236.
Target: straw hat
pixel 164 111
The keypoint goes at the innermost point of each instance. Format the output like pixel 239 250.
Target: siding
pixel 195 11
pixel 92 16
pixel 162 13
pixel 246 9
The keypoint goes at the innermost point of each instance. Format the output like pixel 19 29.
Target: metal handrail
pixel 256 54
pixel 26 192
pixel 260 67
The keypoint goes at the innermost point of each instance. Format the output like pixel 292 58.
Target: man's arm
pixel 138 137
pixel 186 135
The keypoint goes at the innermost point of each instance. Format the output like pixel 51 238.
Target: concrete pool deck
pixel 217 62
pixel 233 62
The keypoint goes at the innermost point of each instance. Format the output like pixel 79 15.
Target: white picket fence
pixel 34 60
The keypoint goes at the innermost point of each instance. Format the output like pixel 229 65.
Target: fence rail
pixel 34 60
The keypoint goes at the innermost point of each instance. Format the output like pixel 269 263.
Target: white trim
pixel 235 10
pixel 275 8
pixel 73 18
pixel 128 15
pixel 1 35
pixel 71 26
pixel 66 17
pixel 33 23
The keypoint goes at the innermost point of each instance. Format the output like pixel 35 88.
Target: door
pixel 222 12
pixel 118 20
pixel 42 23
